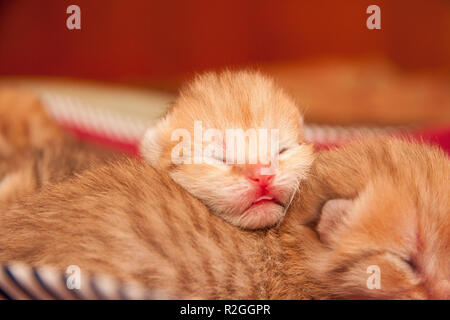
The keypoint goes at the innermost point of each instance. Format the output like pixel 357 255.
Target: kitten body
pixel 24 123
pixel 384 221
pixel 28 171
pixel 128 220
pixel 34 150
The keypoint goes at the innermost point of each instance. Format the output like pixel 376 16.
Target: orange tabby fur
pixel 30 170
pixel 129 220
pixel 24 123
pixel 385 204
pixel 34 150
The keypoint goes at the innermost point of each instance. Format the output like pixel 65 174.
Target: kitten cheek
pixel 285 184
pixel 376 278
pixel 297 163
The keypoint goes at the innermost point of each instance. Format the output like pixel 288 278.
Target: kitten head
pixel 392 239
pixel 234 141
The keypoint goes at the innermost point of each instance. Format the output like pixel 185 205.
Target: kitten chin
pixel 261 214
pixel 240 193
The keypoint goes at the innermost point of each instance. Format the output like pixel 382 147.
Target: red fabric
pixel 435 136
pixel 130 148
pixel 439 136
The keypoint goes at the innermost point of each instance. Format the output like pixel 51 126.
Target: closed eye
pixel 282 150
pixel 410 262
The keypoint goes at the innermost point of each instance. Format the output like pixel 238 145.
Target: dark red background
pixel 133 40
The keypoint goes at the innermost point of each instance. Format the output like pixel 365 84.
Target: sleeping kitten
pixel 384 223
pixel 24 124
pixel 250 194
pixel 34 150
pixel 28 171
pixel 129 220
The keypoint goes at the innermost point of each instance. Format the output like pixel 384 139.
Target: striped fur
pixel 126 219
pixel 28 171
pixel 24 123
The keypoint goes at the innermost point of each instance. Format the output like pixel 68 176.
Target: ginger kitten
pixel 371 203
pixel 249 194
pixel 384 221
pixel 34 150
pixel 30 170
pixel 24 124
pixel 128 220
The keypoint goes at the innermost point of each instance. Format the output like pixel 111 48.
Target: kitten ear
pixel 150 147
pixel 333 216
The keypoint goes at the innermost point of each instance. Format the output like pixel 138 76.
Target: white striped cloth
pixel 20 281
pixel 130 128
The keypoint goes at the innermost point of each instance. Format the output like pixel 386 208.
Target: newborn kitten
pixel 28 171
pixel 24 123
pixel 253 194
pixel 129 220
pixel 385 222
pixel 34 150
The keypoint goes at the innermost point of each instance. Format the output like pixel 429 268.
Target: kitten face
pixel 253 193
pixel 391 242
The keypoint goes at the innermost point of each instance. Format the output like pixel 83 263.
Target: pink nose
pixel 254 173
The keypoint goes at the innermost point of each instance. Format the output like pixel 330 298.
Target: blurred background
pixel 132 56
